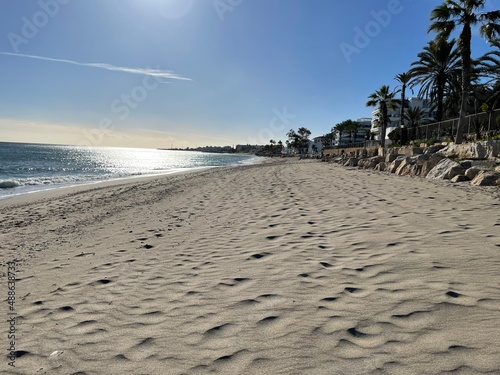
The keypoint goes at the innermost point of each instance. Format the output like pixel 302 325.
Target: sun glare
pixel 173 9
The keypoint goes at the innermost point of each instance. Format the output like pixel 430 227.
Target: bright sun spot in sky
pixel 172 9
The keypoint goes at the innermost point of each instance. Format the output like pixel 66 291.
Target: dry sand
pixel 291 267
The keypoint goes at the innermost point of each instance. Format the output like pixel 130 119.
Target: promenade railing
pixel 480 125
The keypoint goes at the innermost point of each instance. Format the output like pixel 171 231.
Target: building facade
pixel 395 116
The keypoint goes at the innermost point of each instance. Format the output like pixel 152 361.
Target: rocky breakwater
pixel 476 163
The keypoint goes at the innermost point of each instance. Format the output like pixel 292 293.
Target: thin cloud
pixel 147 71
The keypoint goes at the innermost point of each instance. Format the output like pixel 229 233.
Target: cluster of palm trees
pixel 349 127
pixel 454 83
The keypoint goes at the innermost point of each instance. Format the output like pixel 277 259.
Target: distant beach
pixel 285 267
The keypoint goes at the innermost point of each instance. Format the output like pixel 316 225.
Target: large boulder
pixel 465 151
pixel 459 178
pixel 485 179
pixel 382 166
pixel 466 163
pixel 492 149
pixel 391 155
pixel 433 149
pixel 472 172
pixel 394 165
pixel 370 162
pixel 409 151
pixel 351 162
pixel 430 163
pixel 404 167
pixel 446 169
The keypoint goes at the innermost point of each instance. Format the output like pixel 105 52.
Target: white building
pixel 395 116
pixel 365 125
pixel 315 146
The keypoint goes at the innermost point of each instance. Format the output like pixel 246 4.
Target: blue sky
pixel 162 73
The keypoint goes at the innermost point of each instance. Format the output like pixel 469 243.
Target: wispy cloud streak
pixel 167 74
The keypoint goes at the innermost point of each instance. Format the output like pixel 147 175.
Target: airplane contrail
pixel 143 71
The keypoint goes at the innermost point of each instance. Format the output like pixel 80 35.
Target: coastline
pixel 279 267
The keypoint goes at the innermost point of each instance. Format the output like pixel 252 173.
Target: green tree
pixel 299 139
pixel 352 127
pixel 437 65
pixel 414 116
pixel 404 80
pixel 445 19
pixel 327 139
pixel 384 100
pixel 489 67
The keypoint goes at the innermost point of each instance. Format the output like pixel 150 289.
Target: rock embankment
pixel 477 163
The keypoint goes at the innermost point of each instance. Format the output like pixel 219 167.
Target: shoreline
pixel 280 267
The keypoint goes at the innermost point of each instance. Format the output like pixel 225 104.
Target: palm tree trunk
pixel 440 99
pixel 402 121
pixel 465 40
pixel 384 125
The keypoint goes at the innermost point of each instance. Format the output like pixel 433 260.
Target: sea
pixel 27 168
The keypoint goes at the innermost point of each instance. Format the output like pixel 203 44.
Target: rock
pixel 466 164
pixel 492 149
pixel 409 151
pixel 351 162
pixel 382 166
pixel 430 163
pixel 472 172
pixel 404 166
pixel 394 165
pixel 433 149
pixel 391 157
pixel 485 179
pixel 370 162
pixel 465 151
pixel 460 178
pixel 446 169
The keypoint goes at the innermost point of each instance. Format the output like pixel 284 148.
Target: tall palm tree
pixel 352 127
pixel 465 14
pixel 384 99
pixel 414 116
pixel 404 79
pixel 437 66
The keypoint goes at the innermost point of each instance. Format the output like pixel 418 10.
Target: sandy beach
pixel 286 267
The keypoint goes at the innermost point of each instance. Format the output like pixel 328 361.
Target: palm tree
pixel 489 67
pixel 465 14
pixel 437 66
pixel 384 100
pixel 327 139
pixel 352 127
pixel 414 116
pixel 404 79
